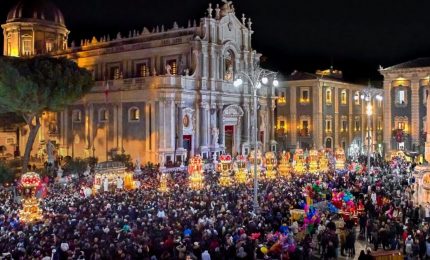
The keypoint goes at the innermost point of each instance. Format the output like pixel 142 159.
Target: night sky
pixel 352 35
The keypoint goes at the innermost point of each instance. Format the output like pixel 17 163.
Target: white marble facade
pixel 167 94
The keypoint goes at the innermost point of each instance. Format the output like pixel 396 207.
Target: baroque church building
pixel 161 95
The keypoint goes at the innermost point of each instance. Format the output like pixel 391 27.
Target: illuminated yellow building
pixel 322 110
pixel 164 94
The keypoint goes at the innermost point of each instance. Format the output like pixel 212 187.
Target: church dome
pixel 36 10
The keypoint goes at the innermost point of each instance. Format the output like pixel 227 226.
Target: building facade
pixel 406 87
pixel 322 111
pixel 161 95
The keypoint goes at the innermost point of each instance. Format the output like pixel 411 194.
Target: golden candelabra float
pixel 259 163
pixel 195 169
pixel 323 161
pixel 313 161
pixel 240 169
pixel 299 161
pixel 270 163
pixel 224 168
pixel 30 204
pixel 284 165
pixel 163 183
pixel 340 159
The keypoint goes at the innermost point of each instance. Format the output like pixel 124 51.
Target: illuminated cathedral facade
pixel 161 94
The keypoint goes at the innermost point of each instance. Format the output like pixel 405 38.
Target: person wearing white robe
pixel 105 185
pixel 119 183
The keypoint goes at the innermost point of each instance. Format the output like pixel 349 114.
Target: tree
pixel 31 86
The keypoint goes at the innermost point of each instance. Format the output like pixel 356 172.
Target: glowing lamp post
pixel 255 77
pixel 30 205
pixel 367 95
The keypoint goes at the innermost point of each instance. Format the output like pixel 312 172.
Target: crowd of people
pixel 220 223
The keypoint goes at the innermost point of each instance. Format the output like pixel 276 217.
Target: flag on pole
pixel 107 92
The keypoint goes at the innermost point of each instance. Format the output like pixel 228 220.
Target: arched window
pixel 357 98
pixel 328 95
pixel 343 99
pixel 103 115
pixel 134 114
pixel 328 143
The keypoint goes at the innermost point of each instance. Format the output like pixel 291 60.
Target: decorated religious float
pixel 163 183
pixel 270 163
pixel 323 162
pixel 284 166
pixel 224 168
pixel 30 204
pixel 259 163
pixel 240 169
pixel 340 159
pixel 313 161
pixel 299 161
pixel 109 175
pixel 195 169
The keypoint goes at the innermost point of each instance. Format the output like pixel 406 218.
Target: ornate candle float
pixel 270 163
pixel 224 168
pixel 195 169
pixel 323 161
pixel 284 165
pixel 340 159
pixel 163 183
pixel 299 161
pixel 240 169
pixel 313 161
pixel 31 210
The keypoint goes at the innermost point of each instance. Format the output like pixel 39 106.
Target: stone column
pixel 335 123
pixel 180 125
pixel 120 128
pixel 246 122
pixel 387 115
pixel 293 113
pixel 220 124
pixel 415 111
pixel 272 122
pixel 115 128
pixel 204 124
pixel 170 123
pixel 162 123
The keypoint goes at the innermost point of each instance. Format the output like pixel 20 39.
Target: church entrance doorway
pixel 229 138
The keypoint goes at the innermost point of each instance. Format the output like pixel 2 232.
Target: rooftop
pixel 416 63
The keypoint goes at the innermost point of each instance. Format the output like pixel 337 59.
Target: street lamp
pixel 256 76
pixel 367 95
